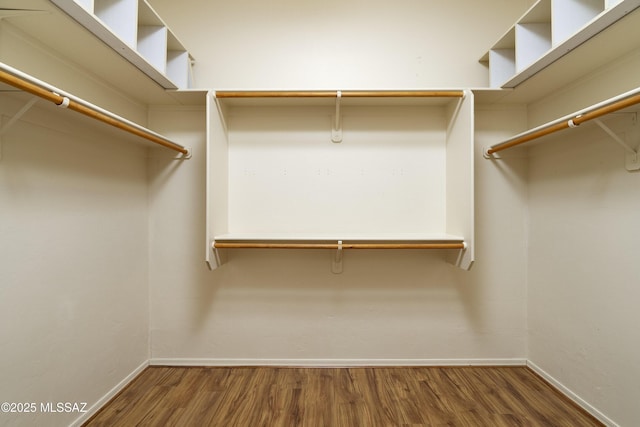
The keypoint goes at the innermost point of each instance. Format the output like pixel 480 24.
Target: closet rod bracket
pixel 215 257
pixel 632 159
pixel 336 130
pixel 65 101
pixel 490 156
pixel 185 156
pixel 15 118
pixel 336 261
pixel 632 162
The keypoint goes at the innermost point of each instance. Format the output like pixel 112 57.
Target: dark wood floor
pixel 460 396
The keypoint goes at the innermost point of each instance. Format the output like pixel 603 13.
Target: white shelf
pixel 403 171
pixel 334 237
pixel 549 30
pixel 136 32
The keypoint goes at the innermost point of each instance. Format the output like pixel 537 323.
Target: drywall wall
pixel 287 306
pixel 339 44
pixel 583 273
pixel 73 258
pixel 74 298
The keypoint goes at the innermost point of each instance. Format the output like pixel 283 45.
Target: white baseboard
pixel 335 362
pixel 571 395
pixel 107 397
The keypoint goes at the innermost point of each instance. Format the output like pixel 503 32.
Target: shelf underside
pixel 248 98
pixel 337 241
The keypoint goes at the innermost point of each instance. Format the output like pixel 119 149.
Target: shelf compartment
pixel 569 16
pixel 152 37
pixel 533 41
pixel 178 62
pixel 502 59
pixel 572 23
pixel 533 35
pixel 121 17
pixel 137 33
pixel 403 170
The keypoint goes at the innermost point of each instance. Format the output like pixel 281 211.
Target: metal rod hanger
pixel 612 105
pixel 343 93
pixel 29 84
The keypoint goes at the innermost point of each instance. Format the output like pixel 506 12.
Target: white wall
pixel 339 44
pixel 283 306
pixel 287 306
pixel 583 273
pixel 73 256
pixel 74 297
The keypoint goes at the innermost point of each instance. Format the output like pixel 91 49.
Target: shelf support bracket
pixel 632 161
pixel 336 262
pixel 15 118
pixel 336 130
pixel 215 257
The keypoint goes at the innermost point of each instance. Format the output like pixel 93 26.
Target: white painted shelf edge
pixel 334 237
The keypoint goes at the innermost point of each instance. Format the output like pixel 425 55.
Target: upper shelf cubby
pixel 151 37
pixel 136 32
pixel 549 30
pixel 120 16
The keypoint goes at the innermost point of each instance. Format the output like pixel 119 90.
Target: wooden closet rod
pixel 35 87
pixel 344 94
pixel 257 245
pixel 573 120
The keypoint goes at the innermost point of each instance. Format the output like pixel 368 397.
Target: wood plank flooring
pixel 273 396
